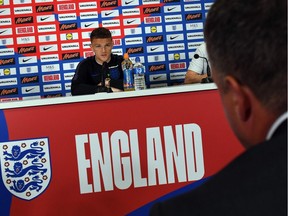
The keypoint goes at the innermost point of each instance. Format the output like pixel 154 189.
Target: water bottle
pixel 139 75
pixel 127 67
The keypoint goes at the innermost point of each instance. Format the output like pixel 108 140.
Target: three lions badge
pixel 25 167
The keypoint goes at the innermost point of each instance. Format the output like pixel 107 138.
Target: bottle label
pixel 128 80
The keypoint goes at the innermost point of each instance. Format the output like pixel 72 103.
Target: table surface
pixel 107 96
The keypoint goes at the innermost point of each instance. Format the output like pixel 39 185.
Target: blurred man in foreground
pixel 247 45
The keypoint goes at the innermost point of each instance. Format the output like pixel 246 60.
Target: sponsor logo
pixel 158 77
pixel 131 21
pixel 160 67
pixel 67 56
pixel 110 23
pixel 151 10
pixel 153 39
pixel 6 72
pixel 176 56
pixel 108 13
pixel 194 26
pixel 52 87
pixel 170 1
pixel 196 16
pixel 30 49
pixel 29 79
pixel 130 41
pixel 44 8
pixel 154 19
pixel 89 15
pixel 128 2
pixel 173 18
pixel 47 48
pixel 134 50
pixel 49 58
pixel 6 21
pixel 25 40
pixel 70 46
pixel 192 7
pixel 26 170
pixel 171 9
pixel 9 91
pixel 69 26
pixel 50 67
pixel 131 12
pixel 23 20
pixel 29 89
pixel 154 48
pixel 51 77
pixel 88 25
pixel 150 1
pixel 105 4
pixel 1 32
pixel 7 51
pixel 87 5
pixel 25 30
pixel 46 18
pixel 177 66
pixel 174 47
pixel 53 95
pixel 69 36
pixel 7 61
pixel 26 60
pixel 29 69
pixel 176 76
pixel 23 10
pixel 8 81
pixel 66 7
pixel 67 17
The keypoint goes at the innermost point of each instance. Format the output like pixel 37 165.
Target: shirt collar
pixel 276 124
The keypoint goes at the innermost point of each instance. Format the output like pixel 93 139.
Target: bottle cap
pixel 126 56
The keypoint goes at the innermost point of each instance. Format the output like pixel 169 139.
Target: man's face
pixel 102 48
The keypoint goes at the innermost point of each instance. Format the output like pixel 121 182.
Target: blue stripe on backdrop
pixel 144 210
pixel 5 195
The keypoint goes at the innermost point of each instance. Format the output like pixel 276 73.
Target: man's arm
pixel 193 77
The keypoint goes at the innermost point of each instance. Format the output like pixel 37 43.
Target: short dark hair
pixel 100 32
pixel 248 40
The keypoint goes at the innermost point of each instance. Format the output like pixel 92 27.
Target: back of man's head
pixel 100 32
pixel 248 40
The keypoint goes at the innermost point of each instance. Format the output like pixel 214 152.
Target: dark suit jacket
pixel 255 183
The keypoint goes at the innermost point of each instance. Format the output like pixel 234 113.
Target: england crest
pixel 25 167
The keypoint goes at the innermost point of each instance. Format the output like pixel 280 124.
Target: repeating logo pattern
pixel 162 33
pixel 25 167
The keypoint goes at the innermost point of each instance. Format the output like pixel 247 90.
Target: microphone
pixel 106 76
pixel 208 79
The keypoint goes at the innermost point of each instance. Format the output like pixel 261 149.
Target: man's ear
pixel 240 98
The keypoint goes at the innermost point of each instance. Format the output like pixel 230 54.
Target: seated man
pixel 101 72
pixel 197 70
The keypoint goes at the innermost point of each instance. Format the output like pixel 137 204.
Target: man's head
pixel 247 43
pixel 101 44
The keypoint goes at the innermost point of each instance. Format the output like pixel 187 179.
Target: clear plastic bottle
pixel 139 75
pixel 127 67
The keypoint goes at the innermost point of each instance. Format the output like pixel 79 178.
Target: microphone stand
pixel 208 79
pixel 106 77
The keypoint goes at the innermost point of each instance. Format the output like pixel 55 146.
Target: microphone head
pixel 196 56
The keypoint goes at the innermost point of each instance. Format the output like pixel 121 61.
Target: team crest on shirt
pixel 25 167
